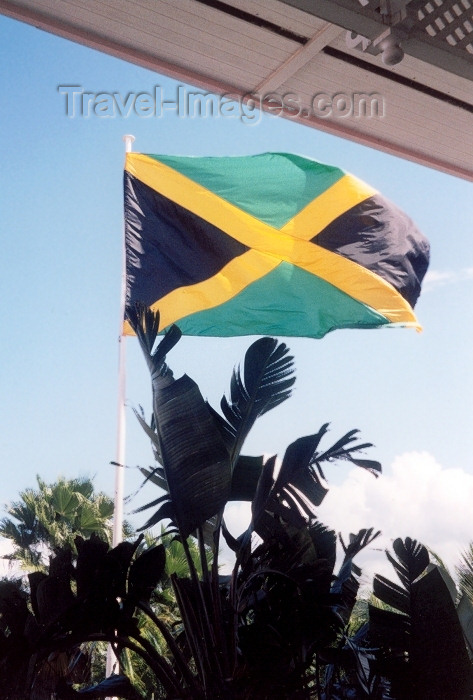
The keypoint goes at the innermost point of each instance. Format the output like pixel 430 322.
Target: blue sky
pixel 61 226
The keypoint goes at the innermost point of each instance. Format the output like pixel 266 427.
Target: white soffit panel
pixel 396 75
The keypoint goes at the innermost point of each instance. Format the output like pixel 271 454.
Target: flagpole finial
pixel 128 139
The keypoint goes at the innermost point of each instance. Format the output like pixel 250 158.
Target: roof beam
pixel 299 59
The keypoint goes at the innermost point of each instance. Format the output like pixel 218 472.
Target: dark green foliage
pixel 266 382
pixel 14 648
pixel 116 685
pixel 245 477
pixel 145 573
pixel 465 572
pixel 49 518
pixel 191 448
pixel 285 609
pixel 280 626
pixel 109 584
pixel 421 630
pixel 284 601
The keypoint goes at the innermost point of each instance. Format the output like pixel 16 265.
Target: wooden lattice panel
pixel 449 21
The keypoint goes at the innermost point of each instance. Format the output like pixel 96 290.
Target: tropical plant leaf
pixel 224 428
pixel 164 512
pixel 261 499
pixel 90 556
pixel 445 574
pixel 388 628
pixel 34 579
pixel 421 624
pixel 370 465
pixel 194 455
pixel 113 686
pixel 195 459
pixel 88 520
pixel 283 600
pixel 157 476
pixel 344 449
pixel 232 542
pixel 64 500
pixel 295 469
pixel 152 504
pixel 151 433
pixel 146 572
pixel 295 501
pixel 440 664
pixel 464 572
pixel 391 594
pixel 465 615
pixel 266 382
pixel 324 540
pixel 145 324
pixel 263 490
pixel 54 594
pixel 358 542
pixel 365 677
pixel 13 609
pixel 245 477
pixel 346 583
pixel 340 447
pixel 115 567
pixel 412 560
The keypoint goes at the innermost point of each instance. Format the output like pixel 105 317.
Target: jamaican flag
pixel 271 244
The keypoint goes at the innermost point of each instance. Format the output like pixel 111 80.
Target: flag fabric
pixel 271 244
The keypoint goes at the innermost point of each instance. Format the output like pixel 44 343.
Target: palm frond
pixel 156 475
pixel 412 560
pixel 265 382
pixel 150 431
pixel 347 581
pixel 344 449
pixel 145 324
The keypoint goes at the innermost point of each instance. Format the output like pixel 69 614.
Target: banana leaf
pixel 195 459
pixel 440 664
pixel 193 453
pixel 145 573
pixel 421 626
pixel 245 477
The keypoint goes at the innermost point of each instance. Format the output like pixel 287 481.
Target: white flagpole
pixel 121 424
pixel 117 534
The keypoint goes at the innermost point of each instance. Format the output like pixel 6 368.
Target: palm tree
pixel 49 517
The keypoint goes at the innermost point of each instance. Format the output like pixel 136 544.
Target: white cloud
pixel 416 498
pixel 237 519
pixel 7 568
pixel 438 278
